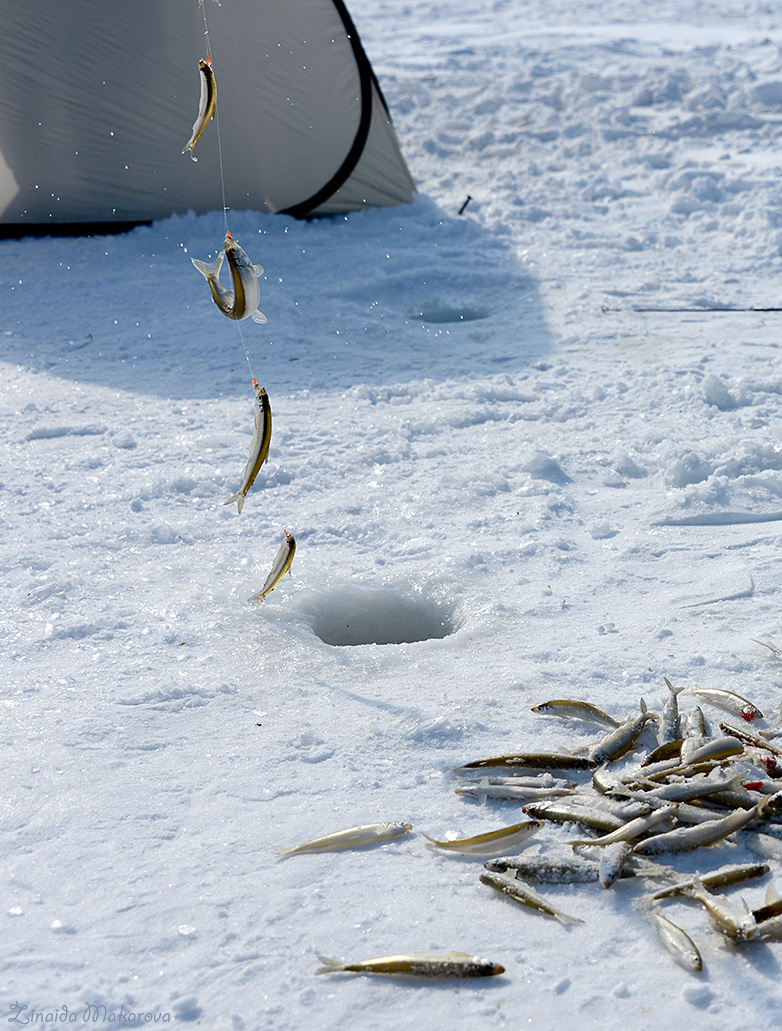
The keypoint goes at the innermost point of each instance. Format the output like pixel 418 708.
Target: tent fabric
pixel 99 99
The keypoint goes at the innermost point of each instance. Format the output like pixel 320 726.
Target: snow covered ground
pixel 479 440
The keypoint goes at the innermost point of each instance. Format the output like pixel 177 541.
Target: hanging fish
pixel 280 566
pixel 259 446
pixel 206 105
pixel 241 302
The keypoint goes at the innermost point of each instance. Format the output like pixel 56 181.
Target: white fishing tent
pixel 98 98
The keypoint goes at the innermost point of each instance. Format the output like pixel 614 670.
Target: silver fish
pixel 613 862
pixel 557 869
pixel 729 701
pixel 206 105
pixel 522 893
pixel 417 964
pixel 241 302
pixel 353 837
pixel 668 728
pixel 633 829
pixel 728 919
pixel 720 878
pixel 696 787
pixel 677 942
pixel 509 792
pixel 621 739
pixel 748 738
pixel 593 818
pixel 280 566
pixel 490 844
pixel 570 709
pixel 683 839
pixel 259 445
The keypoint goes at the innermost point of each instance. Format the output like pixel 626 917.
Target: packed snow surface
pixel 528 452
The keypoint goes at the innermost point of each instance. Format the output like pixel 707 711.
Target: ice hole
pixel 346 616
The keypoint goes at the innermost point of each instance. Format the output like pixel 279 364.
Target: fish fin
pixel 259 317
pixel 772 895
pixel 206 269
pixel 565 919
pixel 329 965
pixel 238 497
pixel 258 270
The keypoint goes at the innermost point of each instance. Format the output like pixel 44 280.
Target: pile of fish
pixel 694 789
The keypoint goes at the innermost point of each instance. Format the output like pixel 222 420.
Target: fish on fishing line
pixel 206 105
pixel 241 302
pixel 259 446
pixel 280 566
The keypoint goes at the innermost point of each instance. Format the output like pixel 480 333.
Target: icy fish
pixel 748 738
pixel 677 942
pixel 613 862
pixel 491 844
pixel 633 829
pixel 570 709
pixel 683 839
pixel 621 739
pixel 729 701
pixel 526 896
pixel 735 923
pixel 206 105
pixel 548 869
pixel 668 727
pixel 241 302
pixel 417 964
pixel 594 818
pixel 259 446
pixel 720 878
pixel 353 837
pixel 509 792
pixel 695 787
pixel 280 566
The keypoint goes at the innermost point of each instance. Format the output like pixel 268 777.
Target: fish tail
pixel 257 597
pixel 565 919
pixel 329 965
pixel 209 271
pixel 238 497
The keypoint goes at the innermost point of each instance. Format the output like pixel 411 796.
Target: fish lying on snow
pixel 568 708
pixel 729 701
pixel 353 837
pixel 677 941
pixel 417 964
pixel 259 446
pixel 622 738
pixel 494 843
pixel 241 302
pixel 516 889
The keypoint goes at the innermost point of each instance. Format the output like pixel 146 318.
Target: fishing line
pixel 217 123
pixel 222 177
